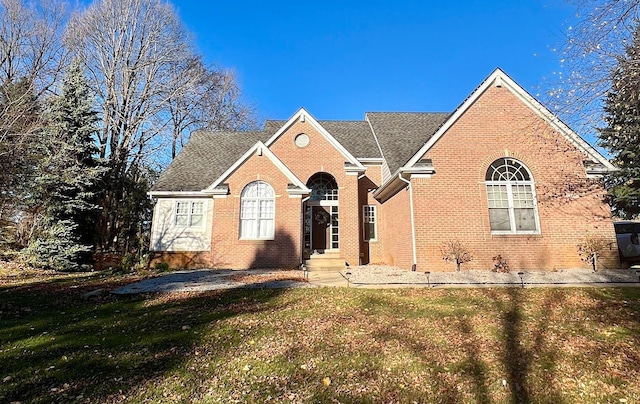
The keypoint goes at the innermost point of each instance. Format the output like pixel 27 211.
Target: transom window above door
pixel 323 187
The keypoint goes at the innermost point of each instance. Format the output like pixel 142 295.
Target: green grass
pixel 317 345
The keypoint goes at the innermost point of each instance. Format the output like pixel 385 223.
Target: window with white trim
pixel 189 214
pixel 257 211
pixel 369 222
pixel 511 198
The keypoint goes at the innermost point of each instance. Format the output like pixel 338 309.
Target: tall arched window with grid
pixel 257 211
pixel 511 198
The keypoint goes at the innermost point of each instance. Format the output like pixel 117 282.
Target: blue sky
pixel 340 59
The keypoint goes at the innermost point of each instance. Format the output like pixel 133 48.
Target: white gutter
pixel 413 223
pixel 178 194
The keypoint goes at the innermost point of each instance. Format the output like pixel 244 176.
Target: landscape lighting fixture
pixel 521 274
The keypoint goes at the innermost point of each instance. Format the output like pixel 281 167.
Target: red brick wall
pixel 372 251
pixel 284 250
pixel 183 260
pixel 322 156
pixel 395 228
pixel 453 203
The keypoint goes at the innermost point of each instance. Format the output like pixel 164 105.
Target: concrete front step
pixel 325 262
pixel 324 268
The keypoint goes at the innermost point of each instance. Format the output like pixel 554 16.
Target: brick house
pixel 500 173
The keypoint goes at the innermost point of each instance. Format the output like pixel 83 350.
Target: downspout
pixel 302 201
pixel 413 224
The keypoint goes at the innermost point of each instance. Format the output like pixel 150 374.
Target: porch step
pixel 325 262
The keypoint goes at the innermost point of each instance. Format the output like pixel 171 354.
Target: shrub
pixel 55 247
pixel 456 251
pixel 590 248
pixel 500 264
pixel 162 266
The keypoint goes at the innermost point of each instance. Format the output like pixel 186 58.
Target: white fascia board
pixel 529 100
pixel 394 184
pixel 178 194
pixel 297 193
pixel 355 170
pixel 371 161
pixel 554 121
pixel 262 149
pixel 302 114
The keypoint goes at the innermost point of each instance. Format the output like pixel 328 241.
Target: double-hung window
pixel 511 198
pixel 369 222
pixel 189 214
pixel 257 211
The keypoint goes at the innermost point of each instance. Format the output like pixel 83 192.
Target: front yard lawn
pixel 317 345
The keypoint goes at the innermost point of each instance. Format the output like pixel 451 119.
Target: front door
pixel 320 228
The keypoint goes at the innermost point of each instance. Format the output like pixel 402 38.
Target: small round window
pixel 302 140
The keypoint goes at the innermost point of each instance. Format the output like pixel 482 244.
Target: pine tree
pixel 621 134
pixel 65 186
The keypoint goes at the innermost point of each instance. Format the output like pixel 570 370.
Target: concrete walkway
pixel 389 277
pixel 207 279
pixel 376 277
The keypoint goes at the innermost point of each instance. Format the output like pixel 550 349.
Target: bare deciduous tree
pixel 209 100
pixel 30 42
pixel 588 57
pixel 131 49
pixel 31 60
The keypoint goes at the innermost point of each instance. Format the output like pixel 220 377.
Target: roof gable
pixel 501 79
pixel 262 150
pixel 304 116
pixel 355 136
pixel 400 134
pixel 203 159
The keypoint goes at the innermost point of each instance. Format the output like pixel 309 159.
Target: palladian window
pixel 511 198
pixel 257 211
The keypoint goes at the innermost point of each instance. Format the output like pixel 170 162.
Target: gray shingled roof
pixel 272 126
pixel 204 158
pixel 355 136
pixel 208 155
pixel 402 134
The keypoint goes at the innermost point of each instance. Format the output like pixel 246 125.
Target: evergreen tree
pixel 65 187
pixel 621 134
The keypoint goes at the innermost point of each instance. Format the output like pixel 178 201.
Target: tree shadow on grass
pixel 56 346
pixel 523 345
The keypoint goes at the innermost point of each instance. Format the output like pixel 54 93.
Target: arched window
pixel 257 211
pixel 511 197
pixel 323 187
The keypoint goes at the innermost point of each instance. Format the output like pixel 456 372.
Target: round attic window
pixel 302 140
